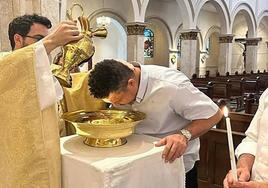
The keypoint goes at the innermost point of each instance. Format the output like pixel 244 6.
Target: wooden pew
pixel 236 85
pixel 239 121
pixel 249 85
pixel 263 83
pixel 251 103
pixel 234 88
pixel 219 89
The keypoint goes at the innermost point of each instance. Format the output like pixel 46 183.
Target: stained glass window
pixel 148 43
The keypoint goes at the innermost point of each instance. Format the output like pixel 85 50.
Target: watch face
pixel 186 133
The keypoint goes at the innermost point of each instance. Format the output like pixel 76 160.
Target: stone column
pixel 135 41
pixel 225 58
pixel 189 56
pixel 251 54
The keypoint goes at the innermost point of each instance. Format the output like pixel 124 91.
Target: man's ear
pixel 18 39
pixel 131 82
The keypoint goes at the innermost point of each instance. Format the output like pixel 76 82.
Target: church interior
pixel 220 45
pixel 219 36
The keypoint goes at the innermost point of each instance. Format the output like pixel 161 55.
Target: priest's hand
pixel 243 175
pixel 175 146
pixel 66 32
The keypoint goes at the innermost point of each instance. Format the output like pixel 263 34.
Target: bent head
pixel 113 81
pixel 27 29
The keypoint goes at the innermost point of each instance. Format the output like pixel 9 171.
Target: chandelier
pixel 103 21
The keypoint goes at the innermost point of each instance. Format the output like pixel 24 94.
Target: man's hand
pixel 66 32
pixel 250 184
pixel 244 166
pixel 243 175
pixel 175 146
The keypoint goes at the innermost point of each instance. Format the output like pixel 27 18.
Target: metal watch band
pixel 186 133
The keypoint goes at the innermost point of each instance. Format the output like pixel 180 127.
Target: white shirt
pixel 256 141
pixel 170 103
pixel 48 87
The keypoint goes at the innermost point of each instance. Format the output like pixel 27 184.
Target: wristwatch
pixel 186 133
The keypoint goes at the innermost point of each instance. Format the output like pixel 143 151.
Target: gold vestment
pixel 29 136
pixel 78 97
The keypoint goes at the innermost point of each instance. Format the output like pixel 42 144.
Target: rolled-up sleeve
pixel 249 144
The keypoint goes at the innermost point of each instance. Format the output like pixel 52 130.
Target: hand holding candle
pixel 230 143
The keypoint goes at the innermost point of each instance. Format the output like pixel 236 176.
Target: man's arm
pixel 201 126
pixel 176 144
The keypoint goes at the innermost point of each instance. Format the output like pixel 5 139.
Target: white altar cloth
pixel 137 164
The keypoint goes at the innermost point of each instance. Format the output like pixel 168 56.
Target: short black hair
pixel 109 76
pixel 22 25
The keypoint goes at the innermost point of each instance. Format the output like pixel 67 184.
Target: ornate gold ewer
pixel 76 53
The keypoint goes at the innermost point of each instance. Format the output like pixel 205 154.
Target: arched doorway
pixel 212 19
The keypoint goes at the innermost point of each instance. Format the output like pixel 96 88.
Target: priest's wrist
pixel 49 44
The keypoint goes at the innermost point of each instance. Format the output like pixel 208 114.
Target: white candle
pixel 230 143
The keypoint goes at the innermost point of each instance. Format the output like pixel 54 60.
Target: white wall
pixel 251 3
pixel 167 11
pixel 121 7
pixel 206 20
pixel 262 5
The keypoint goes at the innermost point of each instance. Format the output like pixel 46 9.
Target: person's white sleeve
pixel 58 88
pixel 44 78
pixel 249 144
pixel 192 104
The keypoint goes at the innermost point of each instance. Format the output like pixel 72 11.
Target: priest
pixel 29 138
